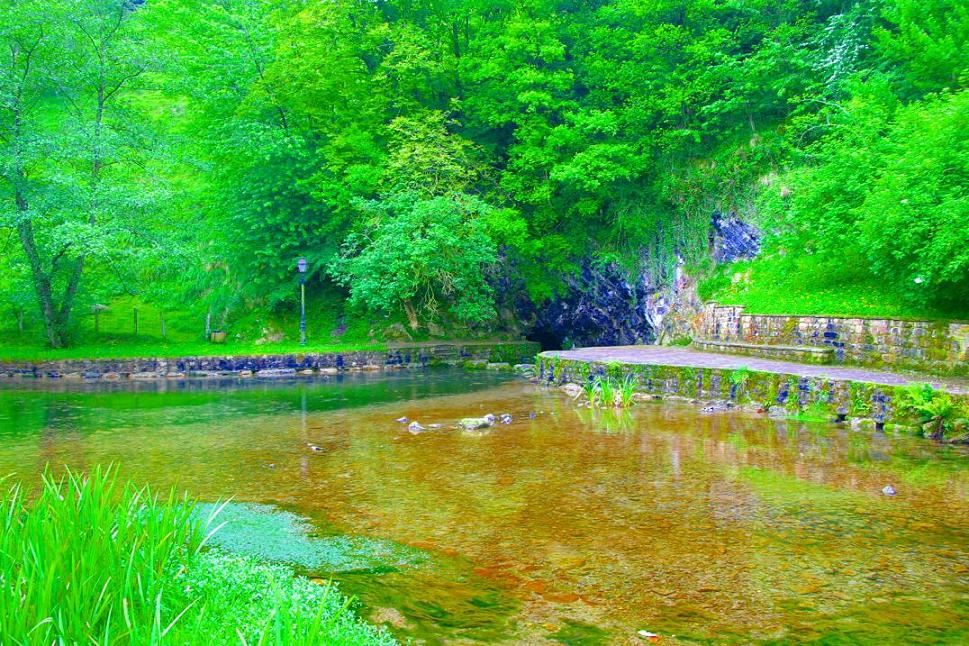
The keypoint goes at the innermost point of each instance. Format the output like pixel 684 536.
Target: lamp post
pixel 301 268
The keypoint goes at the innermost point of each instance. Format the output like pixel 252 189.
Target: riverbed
pixel 566 525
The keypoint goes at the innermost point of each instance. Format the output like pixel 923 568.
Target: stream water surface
pixel 566 525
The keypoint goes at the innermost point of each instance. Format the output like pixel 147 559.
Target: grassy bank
pixel 798 284
pixel 88 560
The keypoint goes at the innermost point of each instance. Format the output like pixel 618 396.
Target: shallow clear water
pixel 573 527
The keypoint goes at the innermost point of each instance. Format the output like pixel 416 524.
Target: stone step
pixel 799 353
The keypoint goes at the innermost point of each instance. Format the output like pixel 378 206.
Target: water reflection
pixel 578 525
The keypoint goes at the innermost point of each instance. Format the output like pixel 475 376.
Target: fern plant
pixel 935 410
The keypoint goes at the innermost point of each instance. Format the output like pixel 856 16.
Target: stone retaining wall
pixel 272 365
pixel 800 354
pixel 809 398
pixel 940 347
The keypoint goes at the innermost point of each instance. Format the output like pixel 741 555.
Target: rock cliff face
pixel 605 305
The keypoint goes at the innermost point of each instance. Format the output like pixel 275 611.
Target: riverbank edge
pixel 397 357
pixel 859 404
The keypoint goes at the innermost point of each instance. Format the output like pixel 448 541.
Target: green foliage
pixel 425 255
pixel 625 392
pixel 740 376
pixel 816 284
pixel 607 393
pixel 89 560
pixel 215 143
pixel 887 189
pixel 936 411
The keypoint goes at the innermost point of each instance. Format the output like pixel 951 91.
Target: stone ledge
pixel 273 365
pixel 802 354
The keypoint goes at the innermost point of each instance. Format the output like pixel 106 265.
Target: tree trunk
pixel 41 279
pixel 411 315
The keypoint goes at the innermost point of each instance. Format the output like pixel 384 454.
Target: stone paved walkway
pixel 674 356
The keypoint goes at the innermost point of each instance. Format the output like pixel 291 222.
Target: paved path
pixel 674 356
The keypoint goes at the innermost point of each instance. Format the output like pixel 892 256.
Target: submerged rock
pixel 889 490
pixel 716 407
pixel 572 390
pixel 505 418
pixel 401 420
pixel 475 423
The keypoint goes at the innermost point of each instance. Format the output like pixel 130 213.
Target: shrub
pixel 936 411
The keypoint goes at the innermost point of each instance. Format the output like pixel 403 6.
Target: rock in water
pixel 525 369
pixel 505 418
pixel 415 427
pixel 474 423
pixel 402 420
pixel 889 490
pixel 572 390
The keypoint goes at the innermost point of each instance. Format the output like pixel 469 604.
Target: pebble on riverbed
pixel 415 427
pixel 889 490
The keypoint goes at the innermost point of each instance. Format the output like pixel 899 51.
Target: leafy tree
pixel 72 187
pixel 425 256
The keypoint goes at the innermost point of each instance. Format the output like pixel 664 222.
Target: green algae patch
pixel 784 489
pixel 577 633
pixel 270 534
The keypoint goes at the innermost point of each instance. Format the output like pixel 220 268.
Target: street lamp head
pixel 301 265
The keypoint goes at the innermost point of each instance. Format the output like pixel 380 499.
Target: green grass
pixel 87 560
pixel 330 326
pixel 807 285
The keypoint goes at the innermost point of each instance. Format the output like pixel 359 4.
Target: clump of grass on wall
pixel 87 560
pixel 606 392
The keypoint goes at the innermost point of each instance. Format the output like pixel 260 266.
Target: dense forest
pixel 436 159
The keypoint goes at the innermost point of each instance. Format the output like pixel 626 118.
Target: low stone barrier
pixel 274 365
pixel 814 398
pixel 800 354
pixel 940 347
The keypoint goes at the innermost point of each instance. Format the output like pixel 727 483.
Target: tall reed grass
pixel 86 560
pixel 605 392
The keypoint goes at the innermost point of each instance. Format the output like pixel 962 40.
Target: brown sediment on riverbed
pixel 275 365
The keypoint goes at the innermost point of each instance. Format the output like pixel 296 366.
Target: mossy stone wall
pixel 818 398
pixel 940 347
